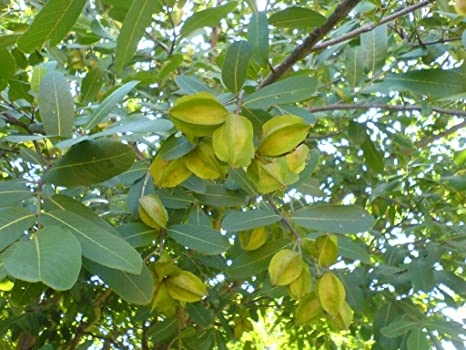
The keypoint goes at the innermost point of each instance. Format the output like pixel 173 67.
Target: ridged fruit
pixel 262 180
pixel 331 293
pixel 168 173
pixel 325 250
pixel 233 141
pixel 242 325
pixel 198 114
pixel 162 301
pixel 343 319
pixel 308 310
pixel 460 7
pixel 202 162
pixel 286 266
pixel 297 159
pixel 185 286
pixel 302 285
pixel 152 212
pixel 252 240
pixel 279 170
pixel 281 135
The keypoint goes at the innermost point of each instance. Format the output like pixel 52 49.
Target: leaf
pixel 201 315
pixel 417 340
pixel 137 234
pixel 235 65
pixel 201 238
pixel 458 182
pixel 216 195
pixel 354 64
pixel 53 22
pixel 134 288
pixel 191 85
pixel 285 91
pixel 374 157
pixel 251 263
pixel 295 17
pixel 436 83
pixel 7 64
pixel 206 18
pixel 13 192
pixel 137 19
pixel 175 147
pixel 164 330
pixel 56 105
pixel 13 223
pixel 108 104
pixel 98 244
pixel 374 47
pixel 421 275
pixel 91 85
pixel 334 218
pixel 397 328
pixel 90 162
pixel 452 329
pixel 351 250
pixel 52 256
pixel 8 40
pixel 236 220
pixel 258 38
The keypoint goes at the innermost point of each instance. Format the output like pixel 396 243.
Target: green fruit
pixel 185 286
pixel 152 212
pixel 202 162
pixel 285 267
pixel 302 285
pixel 168 173
pixel 308 310
pixel 331 293
pixel 254 239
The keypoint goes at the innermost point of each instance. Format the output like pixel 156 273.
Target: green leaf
pixel 191 85
pixel 8 40
pixel 56 105
pixel 164 330
pixel 203 316
pixel 98 244
pixel 258 38
pixel 170 66
pixel 13 224
pixel 297 18
pixel 236 220
pixel 13 192
pixel 397 328
pixel 108 104
pixel 374 157
pixel 52 256
pixel 452 329
pixel 91 85
pixel 216 195
pixel 421 275
pixel 90 162
pixel 137 19
pixel 206 18
pixel 354 64
pixel 254 262
pixel 53 22
pixel 436 83
pixel 7 64
pixel 334 218
pixel 285 91
pixel 134 288
pixel 417 340
pixel 458 182
pixel 38 73
pixel 349 249
pixel 235 65
pixel 374 46
pixel 137 234
pixel 175 147
pixel 201 238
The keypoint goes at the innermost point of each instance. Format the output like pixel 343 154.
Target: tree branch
pixel 448 132
pixel 370 26
pixel 305 48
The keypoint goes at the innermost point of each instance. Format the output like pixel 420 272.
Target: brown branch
pixel 443 134
pixel 305 48
pixel 370 26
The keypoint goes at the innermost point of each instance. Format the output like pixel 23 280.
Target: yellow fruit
pixel 198 114
pixel 185 286
pixel 343 319
pixel 325 249
pixel 162 301
pixel 233 141
pixel 302 285
pixel 308 310
pixel 202 162
pixel 331 293
pixel 152 212
pixel 460 7
pixel 254 239
pixel 297 159
pixel 278 169
pixel 281 135
pixel 285 266
pixel 262 180
pixel 168 173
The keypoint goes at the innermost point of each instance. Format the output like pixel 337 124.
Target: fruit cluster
pixel 272 160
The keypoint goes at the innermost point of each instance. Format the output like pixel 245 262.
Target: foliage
pixel 180 174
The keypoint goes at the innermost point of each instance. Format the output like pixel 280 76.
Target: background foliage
pixel 376 200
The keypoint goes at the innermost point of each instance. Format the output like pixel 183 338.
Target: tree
pixel 198 175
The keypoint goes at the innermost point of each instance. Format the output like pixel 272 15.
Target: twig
pixel 305 48
pixel 448 132
pixel 284 219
